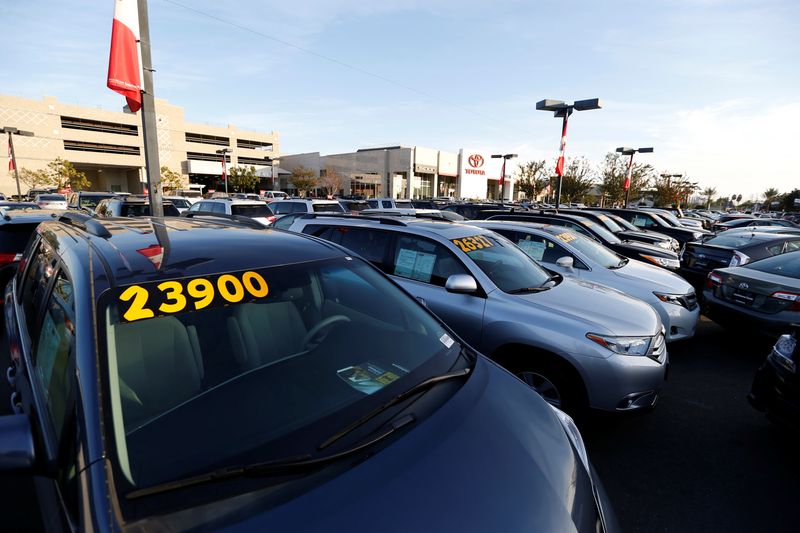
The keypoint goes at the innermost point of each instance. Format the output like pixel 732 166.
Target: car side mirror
pixel 16 444
pixel 565 262
pixel 461 284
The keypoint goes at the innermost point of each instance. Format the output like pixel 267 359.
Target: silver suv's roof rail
pixel 388 220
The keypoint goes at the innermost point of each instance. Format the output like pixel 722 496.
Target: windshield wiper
pixel 284 466
pixel 525 290
pixel 419 387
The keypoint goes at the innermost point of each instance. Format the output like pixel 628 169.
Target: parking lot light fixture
pixel 624 150
pixel 12 165
pixel 505 157
pixel 223 152
pixel 563 110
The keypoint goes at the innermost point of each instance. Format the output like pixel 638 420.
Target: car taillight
pixel 713 279
pixel 788 297
pixel 7 259
pixel 739 259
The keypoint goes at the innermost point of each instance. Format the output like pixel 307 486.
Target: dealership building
pixel 109 147
pixel 407 172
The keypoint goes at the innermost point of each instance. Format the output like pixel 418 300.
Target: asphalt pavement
pixel 703 460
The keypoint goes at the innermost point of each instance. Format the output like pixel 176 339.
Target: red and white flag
pixel 563 148
pixel 10 158
pixel 124 63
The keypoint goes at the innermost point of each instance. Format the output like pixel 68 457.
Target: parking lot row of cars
pixel 170 370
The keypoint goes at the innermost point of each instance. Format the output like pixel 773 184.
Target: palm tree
pixel 709 193
pixel 769 194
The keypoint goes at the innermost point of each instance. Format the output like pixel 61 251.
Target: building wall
pixel 49 120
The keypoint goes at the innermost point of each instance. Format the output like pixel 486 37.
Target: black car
pixel 87 200
pixel 624 233
pixel 776 386
pixel 753 223
pixel 481 211
pixel 633 250
pixel 700 258
pixel 131 206
pixel 653 222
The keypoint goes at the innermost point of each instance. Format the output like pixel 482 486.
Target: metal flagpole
pixel 149 117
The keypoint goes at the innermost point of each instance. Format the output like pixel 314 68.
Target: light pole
pixel 624 150
pixel 563 110
pixel 505 158
pixel 223 152
pixel 11 132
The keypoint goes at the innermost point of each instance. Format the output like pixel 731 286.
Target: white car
pixel 256 210
pixel 181 202
pixel 272 196
pixel 389 203
pixel 51 201
pixel 574 255
pixel 306 205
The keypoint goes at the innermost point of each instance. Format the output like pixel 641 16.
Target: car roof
pixel 26 216
pixel 236 201
pixel 441 227
pixel 758 237
pixel 184 245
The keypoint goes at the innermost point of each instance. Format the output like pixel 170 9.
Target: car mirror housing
pixel 565 262
pixel 16 444
pixel 461 283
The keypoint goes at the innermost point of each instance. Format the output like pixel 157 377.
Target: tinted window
pixel 251 210
pixel 40 271
pixel 52 198
pixel 403 205
pixel 284 221
pixel 601 230
pixel 299 207
pixel 783 265
pixel 92 201
pixel 14 237
pixel 281 208
pixel 327 208
pixel 424 260
pixel 217 207
pixel 386 204
pixel 196 207
pixel 368 243
pixel 373 204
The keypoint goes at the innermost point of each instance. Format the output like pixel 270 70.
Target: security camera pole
pixel 223 152
pixel 563 110
pixel 12 164
pixel 505 157
pixel 624 150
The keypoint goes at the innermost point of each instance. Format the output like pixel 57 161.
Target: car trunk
pixel 699 257
pixel 754 290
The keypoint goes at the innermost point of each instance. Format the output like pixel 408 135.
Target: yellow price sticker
pixel 470 244
pixel 566 237
pixel 160 298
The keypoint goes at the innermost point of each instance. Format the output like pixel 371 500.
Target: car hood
pixel 649 249
pixel 603 309
pixel 492 458
pixel 653 278
pixel 654 235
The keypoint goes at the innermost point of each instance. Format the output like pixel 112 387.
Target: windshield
pixel 506 265
pixel 92 201
pixel 250 366
pixel 602 231
pixel 52 198
pixel 251 210
pixel 671 219
pixel 787 264
pixel 609 223
pixel 624 223
pixel 590 248
pixel 732 241
pixel 334 207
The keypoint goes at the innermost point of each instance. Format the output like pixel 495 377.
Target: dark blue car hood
pixel 493 458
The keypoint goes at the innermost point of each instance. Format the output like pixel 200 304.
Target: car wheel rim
pixel 546 388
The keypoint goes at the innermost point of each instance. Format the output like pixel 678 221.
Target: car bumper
pixel 679 322
pixel 732 315
pixel 623 382
pixel 776 391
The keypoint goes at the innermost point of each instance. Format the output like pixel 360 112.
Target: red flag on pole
pixel 124 63
pixel 224 173
pixel 560 163
pixel 627 184
pixel 10 158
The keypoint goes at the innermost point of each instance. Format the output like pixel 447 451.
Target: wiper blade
pixel 525 290
pixel 419 387
pixel 288 465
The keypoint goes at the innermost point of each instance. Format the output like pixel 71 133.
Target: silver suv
pixel 254 209
pixel 577 343
pixel 306 205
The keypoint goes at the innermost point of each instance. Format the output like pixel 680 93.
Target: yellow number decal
pixel 486 242
pixel 255 284
pixel 231 296
pixel 470 243
pixel 174 291
pixel 137 309
pixel 461 245
pixel 202 290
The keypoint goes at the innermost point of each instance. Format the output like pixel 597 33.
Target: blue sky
pixel 713 85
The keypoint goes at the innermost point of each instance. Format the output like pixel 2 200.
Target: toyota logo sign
pixel 476 161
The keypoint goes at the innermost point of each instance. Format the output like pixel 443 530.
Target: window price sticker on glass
pixel 534 249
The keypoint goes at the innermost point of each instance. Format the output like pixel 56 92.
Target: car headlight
pixel 574 436
pixel 677 299
pixel 622 345
pixel 665 262
pixel 667 245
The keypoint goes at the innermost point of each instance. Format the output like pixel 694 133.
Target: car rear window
pixel 328 208
pixel 404 205
pixel 787 264
pixel 251 210
pixel 52 198
pixel 734 241
pixel 14 237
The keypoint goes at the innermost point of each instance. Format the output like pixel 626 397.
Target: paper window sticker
pixel 404 265
pixel 534 249
pixel 423 267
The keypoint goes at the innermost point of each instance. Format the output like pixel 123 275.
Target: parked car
pixel 760 229
pixel 131 206
pixel 754 223
pixel 213 389
pixel 654 222
pixel 633 250
pixel 16 228
pixel 480 211
pixel 700 258
pixel 776 386
pixel 577 343
pixel 306 205
pixel 182 203
pixel 574 255
pixel 87 200
pixel 763 296
pixel 353 206
pixel 231 207
pixel 51 201
pixel 271 196
pixel 625 233
pixel 12 206
pixel 389 203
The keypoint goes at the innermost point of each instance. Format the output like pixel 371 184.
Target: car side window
pixel 540 248
pixel 373 204
pixel 218 207
pixel 641 221
pixel 195 207
pixel 298 207
pixel 386 204
pixel 40 271
pixel 370 244
pixel 792 246
pixel 424 260
pixel 284 222
pixel 54 350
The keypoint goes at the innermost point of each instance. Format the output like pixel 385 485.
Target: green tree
pixel 673 192
pixel 242 179
pixel 787 200
pixel 34 179
pixel 769 195
pixel 304 179
pixel 532 178
pixel 63 174
pixel 577 179
pixel 613 172
pixel 171 180
pixel 709 193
